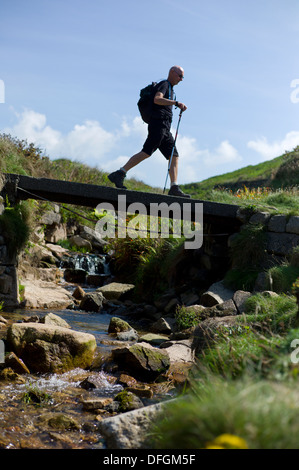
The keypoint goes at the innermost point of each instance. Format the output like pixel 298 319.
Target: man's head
pixel 176 75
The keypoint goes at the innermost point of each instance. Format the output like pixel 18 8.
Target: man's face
pixel 177 75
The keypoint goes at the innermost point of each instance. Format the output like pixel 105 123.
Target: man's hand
pixel 160 100
pixel 182 106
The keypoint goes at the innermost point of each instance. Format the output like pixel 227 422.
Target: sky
pixel 71 72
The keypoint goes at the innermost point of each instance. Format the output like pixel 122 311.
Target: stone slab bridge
pixel 222 217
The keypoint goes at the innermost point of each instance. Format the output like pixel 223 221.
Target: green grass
pixel 277 312
pixel 272 186
pixel 187 317
pixel 274 201
pixel 280 172
pixel 283 277
pixel 264 414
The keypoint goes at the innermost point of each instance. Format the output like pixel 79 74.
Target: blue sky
pixel 72 72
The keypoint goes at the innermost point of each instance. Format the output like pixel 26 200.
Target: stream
pixel 29 425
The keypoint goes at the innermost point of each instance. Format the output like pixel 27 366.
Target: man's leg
pixel 117 177
pixel 173 170
pixel 168 148
pixel 173 174
pixel 135 160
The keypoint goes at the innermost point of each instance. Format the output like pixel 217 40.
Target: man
pixel 159 135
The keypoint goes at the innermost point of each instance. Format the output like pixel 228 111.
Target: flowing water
pixel 30 425
pixel 25 424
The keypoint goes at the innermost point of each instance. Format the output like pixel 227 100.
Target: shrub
pixel 145 261
pixel 14 223
pixel 241 279
pixel 154 272
pixel 282 277
pixel 248 253
pixel 248 249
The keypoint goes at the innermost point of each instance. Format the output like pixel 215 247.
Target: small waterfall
pixel 92 264
pixel 86 268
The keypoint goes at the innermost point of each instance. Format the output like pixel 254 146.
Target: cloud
pixel 195 163
pixel 32 127
pixel 271 150
pixel 87 142
pixel 225 153
pixel 135 127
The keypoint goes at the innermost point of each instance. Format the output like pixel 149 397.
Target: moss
pixel 154 360
pixel 127 401
pixel 117 325
pixel 63 423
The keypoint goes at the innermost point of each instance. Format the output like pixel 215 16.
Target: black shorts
pixel 159 137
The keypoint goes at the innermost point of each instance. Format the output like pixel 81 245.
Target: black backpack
pixel 145 102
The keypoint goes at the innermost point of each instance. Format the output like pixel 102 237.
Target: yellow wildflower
pixel 227 441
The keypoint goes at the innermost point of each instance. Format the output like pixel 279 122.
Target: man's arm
pixel 160 100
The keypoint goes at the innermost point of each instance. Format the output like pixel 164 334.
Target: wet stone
pixel 95 404
pixel 63 422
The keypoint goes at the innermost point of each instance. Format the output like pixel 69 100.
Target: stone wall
pixel 198 269
pixel 282 232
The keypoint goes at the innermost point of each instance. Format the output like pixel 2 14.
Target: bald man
pixel 159 135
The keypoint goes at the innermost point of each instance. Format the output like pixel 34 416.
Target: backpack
pixel 145 102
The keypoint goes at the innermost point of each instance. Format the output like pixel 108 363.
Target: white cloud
pixel 271 150
pixel 32 126
pixel 87 142
pixel 196 163
pixel 136 127
pixel 225 153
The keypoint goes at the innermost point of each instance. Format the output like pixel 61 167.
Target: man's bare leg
pixel 173 174
pixel 117 177
pixel 135 160
pixel 173 170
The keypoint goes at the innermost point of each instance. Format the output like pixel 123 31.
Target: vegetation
pixel 35 396
pixel 276 174
pixel 244 391
pixel 146 261
pixel 14 223
pixel 187 317
pixel 223 414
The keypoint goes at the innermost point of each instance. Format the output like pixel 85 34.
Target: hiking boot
pixel 176 191
pixel 117 177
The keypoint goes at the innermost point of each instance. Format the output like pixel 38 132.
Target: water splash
pixel 92 264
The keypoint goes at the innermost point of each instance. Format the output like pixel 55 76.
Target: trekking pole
pixel 172 152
